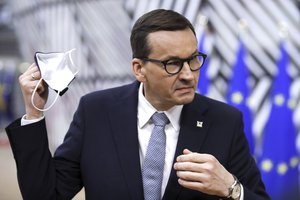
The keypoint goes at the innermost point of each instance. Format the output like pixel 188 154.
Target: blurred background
pixel 253 63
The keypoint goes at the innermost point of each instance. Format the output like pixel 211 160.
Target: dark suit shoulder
pixel 111 96
pixel 215 106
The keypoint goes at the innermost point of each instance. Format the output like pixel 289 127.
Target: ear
pixel 138 69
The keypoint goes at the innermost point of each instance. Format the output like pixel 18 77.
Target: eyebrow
pixel 176 57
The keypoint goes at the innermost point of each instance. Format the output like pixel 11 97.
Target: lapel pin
pixel 199 124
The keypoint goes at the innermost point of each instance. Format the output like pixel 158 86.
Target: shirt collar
pixel 146 110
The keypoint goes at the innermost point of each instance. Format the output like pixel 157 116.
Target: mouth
pixel 184 90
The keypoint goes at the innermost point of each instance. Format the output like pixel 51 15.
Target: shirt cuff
pixel 25 121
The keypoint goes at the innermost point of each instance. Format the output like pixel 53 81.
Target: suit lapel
pixel 123 118
pixel 193 130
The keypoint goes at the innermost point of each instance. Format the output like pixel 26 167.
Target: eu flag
pixel 238 92
pixel 203 82
pixel 279 160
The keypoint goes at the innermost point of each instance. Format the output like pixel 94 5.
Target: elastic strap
pixel 32 97
pixel 71 60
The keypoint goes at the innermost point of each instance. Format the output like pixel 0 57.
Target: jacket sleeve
pixel 243 165
pixel 35 169
pixel 41 176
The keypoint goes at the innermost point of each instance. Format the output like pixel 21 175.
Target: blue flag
pixel 238 92
pixel 203 82
pixel 279 160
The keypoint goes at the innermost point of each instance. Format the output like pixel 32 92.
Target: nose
pixel 186 72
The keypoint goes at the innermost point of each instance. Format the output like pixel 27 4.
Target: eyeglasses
pixel 174 66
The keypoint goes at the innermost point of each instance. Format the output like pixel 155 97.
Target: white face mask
pixel 56 71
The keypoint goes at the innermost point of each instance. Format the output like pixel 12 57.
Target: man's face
pixel 161 89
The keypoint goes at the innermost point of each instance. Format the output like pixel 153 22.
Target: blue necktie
pixel 155 158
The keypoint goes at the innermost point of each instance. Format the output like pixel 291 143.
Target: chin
pixel 186 99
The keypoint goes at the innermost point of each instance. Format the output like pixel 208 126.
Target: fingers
pixel 205 187
pixel 191 166
pixel 196 162
pixel 186 151
pixel 193 176
pixel 202 172
pixel 191 185
pixel 189 156
pixel 29 79
pixel 33 72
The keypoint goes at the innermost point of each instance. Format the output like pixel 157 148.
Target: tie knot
pixel 160 119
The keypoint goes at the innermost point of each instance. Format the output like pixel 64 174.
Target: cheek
pixel 164 86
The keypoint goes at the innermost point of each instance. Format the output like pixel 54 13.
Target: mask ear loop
pixel 32 96
pixel 71 60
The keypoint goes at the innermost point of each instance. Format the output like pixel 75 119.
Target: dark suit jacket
pixel 101 150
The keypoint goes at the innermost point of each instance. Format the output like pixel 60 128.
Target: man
pixel 105 149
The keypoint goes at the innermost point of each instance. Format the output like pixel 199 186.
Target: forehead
pixel 181 43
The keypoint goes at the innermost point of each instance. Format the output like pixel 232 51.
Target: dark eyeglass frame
pixel 182 61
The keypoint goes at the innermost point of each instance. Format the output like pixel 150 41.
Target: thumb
pixel 187 151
